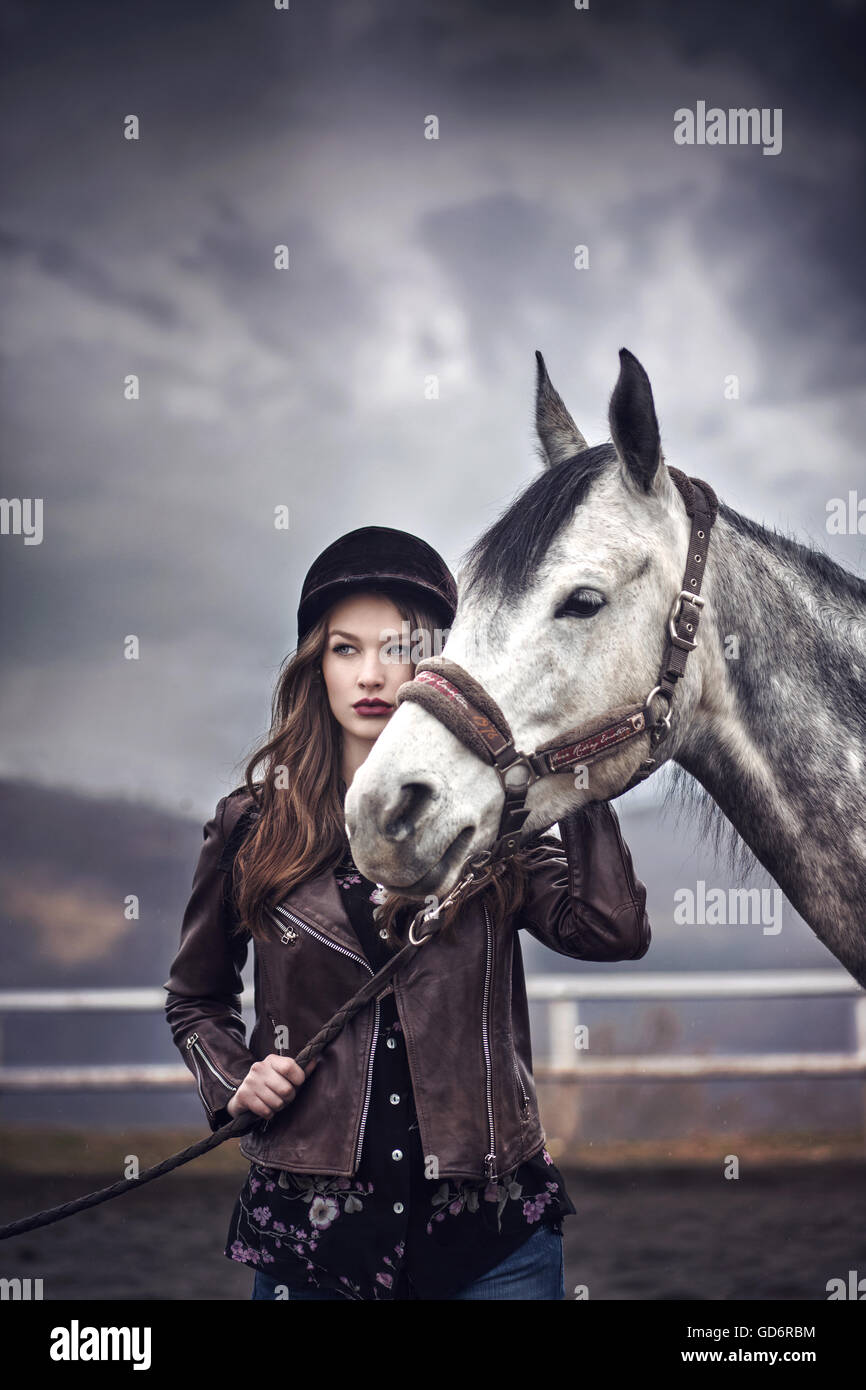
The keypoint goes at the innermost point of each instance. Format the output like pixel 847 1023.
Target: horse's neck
pixel 779 736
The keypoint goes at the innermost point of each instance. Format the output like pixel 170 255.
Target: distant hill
pixel 67 863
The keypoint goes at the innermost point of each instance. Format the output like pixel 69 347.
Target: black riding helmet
pixel 378 555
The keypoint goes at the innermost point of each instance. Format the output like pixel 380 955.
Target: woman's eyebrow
pixel 353 636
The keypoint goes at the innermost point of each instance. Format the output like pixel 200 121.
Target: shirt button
pixel 394 1098
pixel 397 1153
pixel 391 1043
pixel 398 1207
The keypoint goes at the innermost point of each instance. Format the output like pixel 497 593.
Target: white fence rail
pixel 563 995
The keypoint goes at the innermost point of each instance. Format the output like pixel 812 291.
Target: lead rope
pixel 247 1120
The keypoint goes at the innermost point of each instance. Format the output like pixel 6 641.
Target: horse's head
pixel 562 616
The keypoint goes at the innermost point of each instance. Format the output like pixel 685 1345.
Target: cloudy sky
pixel 408 257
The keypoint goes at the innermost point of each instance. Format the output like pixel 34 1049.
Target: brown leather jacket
pixel 462 1003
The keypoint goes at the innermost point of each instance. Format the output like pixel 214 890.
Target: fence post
pixel 562 1021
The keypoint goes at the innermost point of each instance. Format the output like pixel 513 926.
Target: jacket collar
pixel 319 902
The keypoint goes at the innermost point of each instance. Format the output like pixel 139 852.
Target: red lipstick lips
pixel 371 707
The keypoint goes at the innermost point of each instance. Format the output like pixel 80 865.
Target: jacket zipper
pixel 194 1046
pixel 369 1083
pixel 525 1101
pixel 490 1157
pixel 289 936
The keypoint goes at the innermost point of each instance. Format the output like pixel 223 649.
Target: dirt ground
pixel 778 1232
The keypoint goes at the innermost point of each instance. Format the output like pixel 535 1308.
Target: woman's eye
pixel 396 653
pixel 343 647
pixel 582 603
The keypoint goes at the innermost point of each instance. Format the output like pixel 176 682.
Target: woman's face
pixel 364 662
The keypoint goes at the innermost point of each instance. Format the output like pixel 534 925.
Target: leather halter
pixel 454 697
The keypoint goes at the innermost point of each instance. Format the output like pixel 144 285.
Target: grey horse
pixel 562 614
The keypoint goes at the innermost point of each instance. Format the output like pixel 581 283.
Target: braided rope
pixel 247 1120
pixel 241 1124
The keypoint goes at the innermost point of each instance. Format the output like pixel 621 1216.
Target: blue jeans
pixel 534 1271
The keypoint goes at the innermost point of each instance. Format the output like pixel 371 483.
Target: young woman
pixel 409 1161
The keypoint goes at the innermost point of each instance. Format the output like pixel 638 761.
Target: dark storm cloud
pixel 480 244
pixel 408 257
pixel 807 286
pixel 55 257
pixel 326 291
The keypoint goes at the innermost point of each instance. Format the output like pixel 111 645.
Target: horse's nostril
pixel 401 816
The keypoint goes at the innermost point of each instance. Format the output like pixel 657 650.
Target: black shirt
pixel 389 1231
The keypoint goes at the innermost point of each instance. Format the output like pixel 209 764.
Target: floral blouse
pixel 389 1231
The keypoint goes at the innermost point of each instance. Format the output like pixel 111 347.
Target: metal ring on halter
pixel 475 861
pixel 479 860
pixel 657 690
pixel 662 727
pixel 423 939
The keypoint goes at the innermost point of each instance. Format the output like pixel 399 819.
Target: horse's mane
pixel 696 811
pixel 505 556
pixel 814 562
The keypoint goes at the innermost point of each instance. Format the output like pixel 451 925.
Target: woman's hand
pixel 269 1085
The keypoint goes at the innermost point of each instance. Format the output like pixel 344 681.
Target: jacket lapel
pixel 319 902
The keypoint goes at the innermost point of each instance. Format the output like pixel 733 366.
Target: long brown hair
pixel 300 828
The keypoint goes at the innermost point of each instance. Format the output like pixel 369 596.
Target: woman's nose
pixel 372 673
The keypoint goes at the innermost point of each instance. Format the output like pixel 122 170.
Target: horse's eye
pixel 582 603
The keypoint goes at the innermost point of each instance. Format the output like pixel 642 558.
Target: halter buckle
pixel 676 614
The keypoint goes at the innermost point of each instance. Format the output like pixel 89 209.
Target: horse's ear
pixel 559 435
pixel 634 428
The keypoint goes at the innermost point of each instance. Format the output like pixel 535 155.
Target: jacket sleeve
pixel 203 1004
pixel 583 898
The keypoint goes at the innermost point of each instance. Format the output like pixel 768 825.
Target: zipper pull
pixel 191 1041
pixel 288 935
pixel 490 1166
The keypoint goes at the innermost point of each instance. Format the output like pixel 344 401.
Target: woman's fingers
pixel 285 1067
pixel 275 1081
pixel 270 1084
